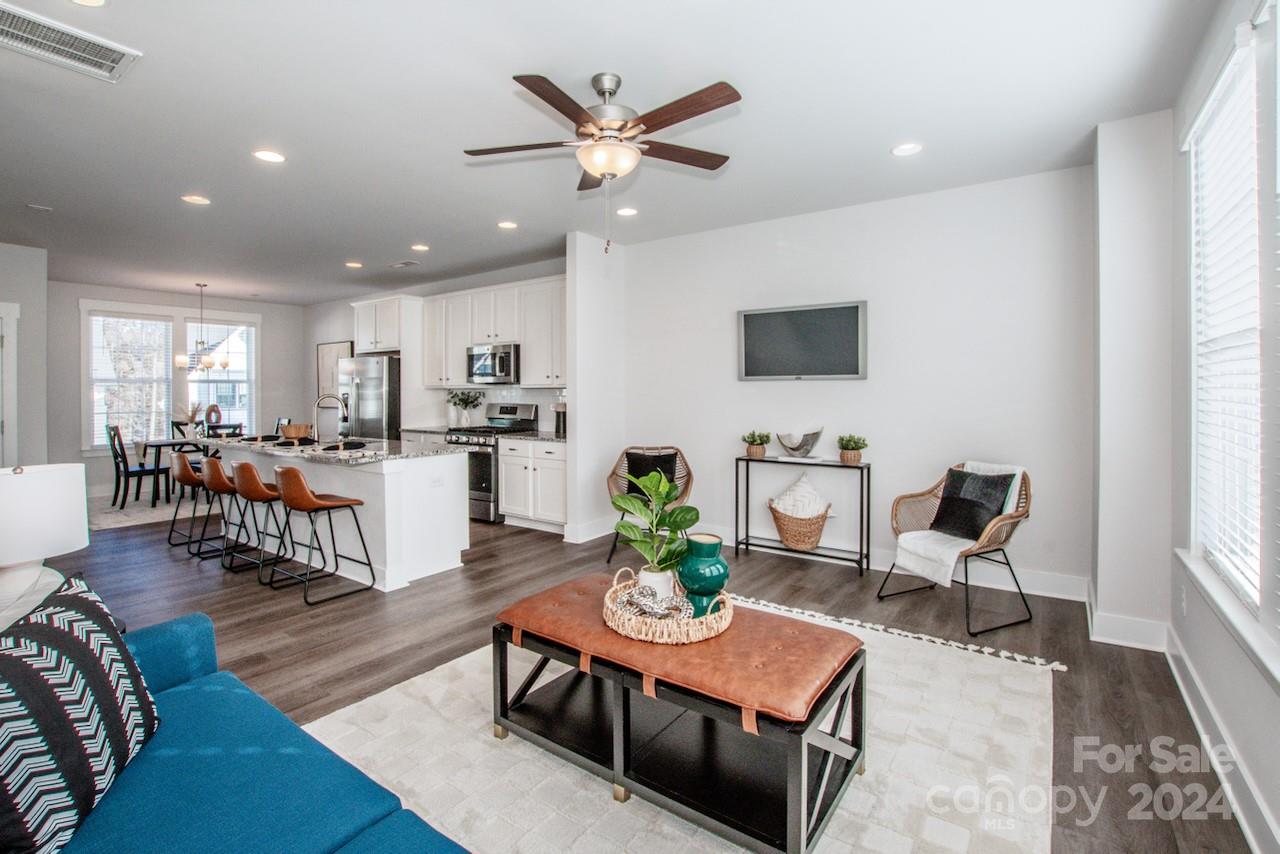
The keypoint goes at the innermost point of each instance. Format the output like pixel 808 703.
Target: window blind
pixel 130 377
pixel 1226 274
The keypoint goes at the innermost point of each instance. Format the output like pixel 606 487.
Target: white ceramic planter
pixel 663 583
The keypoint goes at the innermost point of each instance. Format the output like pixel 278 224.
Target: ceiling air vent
pixel 42 38
pixel 400 265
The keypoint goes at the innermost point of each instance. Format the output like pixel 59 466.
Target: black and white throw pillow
pixel 74 710
pixel 969 502
pixel 640 464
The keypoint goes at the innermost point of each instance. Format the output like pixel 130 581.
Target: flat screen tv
pixel 809 342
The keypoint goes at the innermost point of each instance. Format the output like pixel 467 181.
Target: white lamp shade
pixel 612 157
pixel 43 512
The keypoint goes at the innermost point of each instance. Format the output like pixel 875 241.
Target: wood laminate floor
pixel 311 661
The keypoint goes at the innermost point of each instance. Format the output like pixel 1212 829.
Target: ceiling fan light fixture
pixel 609 158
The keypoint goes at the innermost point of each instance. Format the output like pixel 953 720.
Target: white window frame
pixel 180 316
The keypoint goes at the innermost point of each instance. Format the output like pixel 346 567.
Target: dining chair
pixel 125 472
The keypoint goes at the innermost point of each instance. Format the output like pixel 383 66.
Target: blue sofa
pixel 226 771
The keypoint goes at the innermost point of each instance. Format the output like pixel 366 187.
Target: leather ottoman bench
pixel 754 734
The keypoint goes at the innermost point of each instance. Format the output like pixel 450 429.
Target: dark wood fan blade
pixel 507 149
pixel 589 181
pixel 713 97
pixel 680 154
pixel 556 98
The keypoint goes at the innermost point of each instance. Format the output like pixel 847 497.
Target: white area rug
pixel 943 720
pixel 103 516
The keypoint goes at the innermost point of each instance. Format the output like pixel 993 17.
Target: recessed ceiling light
pixel 94 3
pixel 193 199
pixel 269 156
pixel 355 265
pixel 627 211
pixel 906 149
pixel 507 224
pixel 420 247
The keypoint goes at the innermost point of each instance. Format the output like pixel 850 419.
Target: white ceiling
pixel 374 101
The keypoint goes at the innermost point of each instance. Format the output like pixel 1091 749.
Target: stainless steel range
pixel 482 461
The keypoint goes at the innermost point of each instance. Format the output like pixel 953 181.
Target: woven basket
pixel 796 533
pixel 653 630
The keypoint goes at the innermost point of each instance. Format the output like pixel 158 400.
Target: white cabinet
pixel 377 325
pixel 366 327
pixel 457 326
pixel 434 343
pixel 515 480
pixel 549 488
pixel 447 328
pixel 533 480
pixel 542 336
pixel 495 316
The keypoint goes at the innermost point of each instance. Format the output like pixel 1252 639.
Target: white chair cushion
pixel 932 555
pixel 800 500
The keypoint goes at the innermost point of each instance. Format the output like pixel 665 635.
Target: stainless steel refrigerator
pixel 370 385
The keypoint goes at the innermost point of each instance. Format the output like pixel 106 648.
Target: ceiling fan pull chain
pixel 608 216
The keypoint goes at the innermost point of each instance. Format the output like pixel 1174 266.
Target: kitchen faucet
pixel 315 414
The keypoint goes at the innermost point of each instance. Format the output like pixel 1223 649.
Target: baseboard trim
pixel 1261 830
pixel 587 531
pixel 1120 630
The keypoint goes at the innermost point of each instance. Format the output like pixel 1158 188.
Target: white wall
pixel 599 397
pixel 334 321
pixel 1235 698
pixel 980 310
pixel 284 385
pixel 1134 173
pixel 23 280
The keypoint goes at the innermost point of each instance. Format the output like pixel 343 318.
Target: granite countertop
pixel 533 435
pixel 374 450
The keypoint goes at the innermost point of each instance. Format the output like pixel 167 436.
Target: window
pixel 230 382
pixel 1226 321
pixel 130 377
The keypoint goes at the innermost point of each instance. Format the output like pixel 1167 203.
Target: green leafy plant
pixel 757 438
pixel 851 442
pixel 660 541
pixel 466 399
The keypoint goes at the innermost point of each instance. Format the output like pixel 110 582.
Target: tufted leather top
pixel 183 473
pixel 298 496
pixel 215 477
pixel 764 662
pixel 250 486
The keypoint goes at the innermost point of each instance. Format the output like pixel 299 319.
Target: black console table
pixel 742 539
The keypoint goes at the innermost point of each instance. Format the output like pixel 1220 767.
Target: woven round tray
pixel 653 630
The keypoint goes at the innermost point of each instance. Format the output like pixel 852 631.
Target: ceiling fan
pixel 608 144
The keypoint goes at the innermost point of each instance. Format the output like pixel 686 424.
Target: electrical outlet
pixel 1183 588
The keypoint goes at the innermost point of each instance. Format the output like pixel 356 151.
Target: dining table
pixel 159 446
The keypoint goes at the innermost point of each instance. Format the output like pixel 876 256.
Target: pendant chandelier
pixel 204 358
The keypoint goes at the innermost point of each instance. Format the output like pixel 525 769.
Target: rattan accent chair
pixel 915 511
pixel 617 480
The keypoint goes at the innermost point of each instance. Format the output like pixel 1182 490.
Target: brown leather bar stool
pixel 187 478
pixel 254 493
pixel 298 497
pixel 220 485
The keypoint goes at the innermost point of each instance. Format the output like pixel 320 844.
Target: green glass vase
pixel 703 573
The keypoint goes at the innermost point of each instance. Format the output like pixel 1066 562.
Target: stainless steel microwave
pixel 493 363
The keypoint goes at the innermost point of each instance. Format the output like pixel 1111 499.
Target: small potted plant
pixel 661 540
pixel 851 449
pixel 755 443
pixel 465 401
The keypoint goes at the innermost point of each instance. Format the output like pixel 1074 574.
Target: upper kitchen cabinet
pixel 447 334
pixel 542 335
pixel 378 323
pixel 495 316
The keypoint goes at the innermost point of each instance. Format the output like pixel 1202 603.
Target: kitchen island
pixel 415 501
